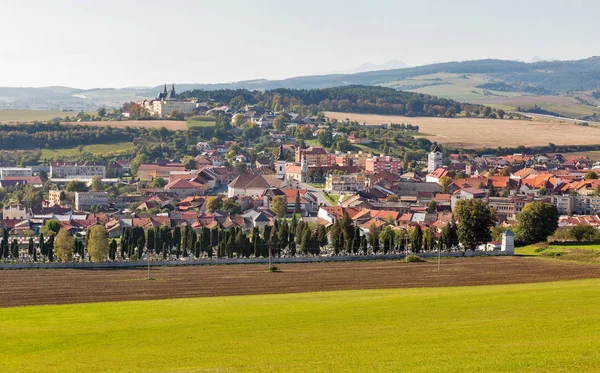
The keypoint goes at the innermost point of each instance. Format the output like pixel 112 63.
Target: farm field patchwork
pixel 527 328
pixel 480 132
pixel 101 149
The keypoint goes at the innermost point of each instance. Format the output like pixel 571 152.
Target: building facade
pixel 63 170
pixel 15 171
pixel 345 183
pixel 383 163
pixel 85 200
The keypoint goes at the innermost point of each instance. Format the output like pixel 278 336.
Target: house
pixel 257 219
pixel 358 140
pixel 185 188
pixel 333 213
pixel 150 171
pixel 16 211
pixel 467 193
pixel 247 184
pixel 435 175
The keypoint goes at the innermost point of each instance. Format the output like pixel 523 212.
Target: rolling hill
pixel 569 88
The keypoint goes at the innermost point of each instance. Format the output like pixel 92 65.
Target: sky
pixel 122 43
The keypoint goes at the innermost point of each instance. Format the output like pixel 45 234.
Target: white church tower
pixel 303 169
pixel 435 160
pixel 280 164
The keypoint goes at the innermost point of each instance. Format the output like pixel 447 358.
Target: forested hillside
pixel 363 99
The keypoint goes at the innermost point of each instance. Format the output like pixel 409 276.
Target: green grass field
pixel 103 149
pixel 9 115
pixel 572 252
pixel 527 328
pixel 200 121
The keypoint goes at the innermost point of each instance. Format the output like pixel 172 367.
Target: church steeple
pixel 165 89
pixel 281 157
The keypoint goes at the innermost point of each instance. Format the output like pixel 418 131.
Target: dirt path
pixel 33 287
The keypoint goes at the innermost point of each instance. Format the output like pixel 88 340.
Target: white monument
pixel 508 243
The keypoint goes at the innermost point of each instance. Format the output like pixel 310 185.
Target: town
pixel 385 203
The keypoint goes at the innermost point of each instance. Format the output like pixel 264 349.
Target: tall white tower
pixel 303 169
pixel 435 160
pixel 280 164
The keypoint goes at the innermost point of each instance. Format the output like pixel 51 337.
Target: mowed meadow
pixel 491 133
pixel 527 328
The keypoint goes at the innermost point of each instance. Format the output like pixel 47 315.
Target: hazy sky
pixel 118 43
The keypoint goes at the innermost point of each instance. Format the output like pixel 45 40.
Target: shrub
pixel 413 259
pixel 551 254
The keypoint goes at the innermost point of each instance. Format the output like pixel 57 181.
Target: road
pixel 321 200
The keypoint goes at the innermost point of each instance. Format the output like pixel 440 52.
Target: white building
pixel 165 107
pixel 15 171
pixel 85 200
pixel 435 160
pixel 64 170
pixel 16 211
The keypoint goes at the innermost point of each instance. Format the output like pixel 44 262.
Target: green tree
pixel 51 227
pixel 97 243
pixel 189 162
pixel 76 186
pixel 63 245
pixel 213 204
pixel 445 182
pixel 279 206
pixel 591 175
pixel 326 138
pixel 102 112
pixel 583 232
pixel 279 123
pixel 416 239
pixel 475 219
pixel 537 221
pixel 97 184
pixel 159 183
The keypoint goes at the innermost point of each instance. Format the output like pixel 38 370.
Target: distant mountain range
pixel 390 65
pixel 548 76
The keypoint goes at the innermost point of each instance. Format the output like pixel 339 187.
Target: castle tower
pixel 280 164
pixel 303 169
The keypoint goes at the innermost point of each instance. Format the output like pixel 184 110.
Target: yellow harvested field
pixel 480 132
pixel 168 124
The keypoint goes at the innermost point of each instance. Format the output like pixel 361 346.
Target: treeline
pixel 56 135
pixel 354 98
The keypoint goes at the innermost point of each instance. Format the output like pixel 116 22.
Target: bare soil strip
pixel 36 287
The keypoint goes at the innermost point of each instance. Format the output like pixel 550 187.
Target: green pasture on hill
pixel 99 149
pixel 200 121
pixel 547 327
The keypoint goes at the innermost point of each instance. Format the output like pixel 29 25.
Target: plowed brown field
pixel 33 287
